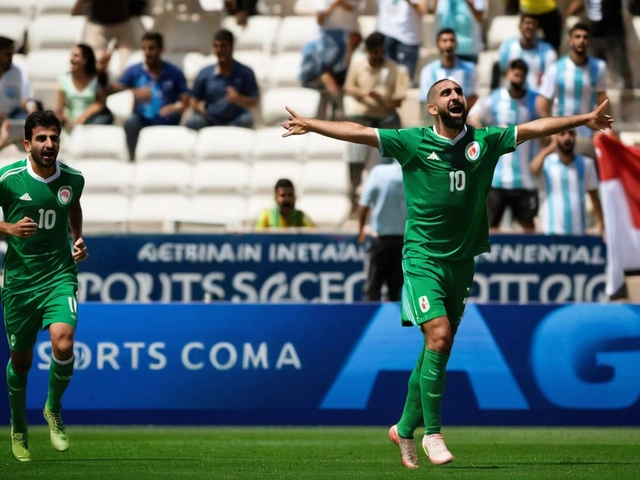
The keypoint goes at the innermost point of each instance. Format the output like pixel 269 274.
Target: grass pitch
pixel 139 453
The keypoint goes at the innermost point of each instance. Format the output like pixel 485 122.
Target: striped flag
pixel 620 195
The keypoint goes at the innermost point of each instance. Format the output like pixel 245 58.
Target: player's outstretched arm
pixel 543 127
pixel 346 131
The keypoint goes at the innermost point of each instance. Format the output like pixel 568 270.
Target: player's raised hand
pixel 598 120
pixel 79 250
pixel 297 124
pixel 25 228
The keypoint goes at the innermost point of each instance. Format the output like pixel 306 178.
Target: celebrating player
pixel 447 173
pixel 40 198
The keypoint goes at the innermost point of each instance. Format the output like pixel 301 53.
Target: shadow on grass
pixel 111 460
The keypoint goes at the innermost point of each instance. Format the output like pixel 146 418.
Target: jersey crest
pixel 472 152
pixel 64 195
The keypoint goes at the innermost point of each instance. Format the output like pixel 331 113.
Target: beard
pixel 451 122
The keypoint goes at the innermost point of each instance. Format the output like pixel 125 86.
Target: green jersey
pixel 44 259
pixel 446 184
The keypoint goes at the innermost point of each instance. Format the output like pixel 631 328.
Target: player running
pixel 447 173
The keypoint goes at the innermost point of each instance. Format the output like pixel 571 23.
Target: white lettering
pixel 156 354
pixel 135 353
pixel 231 351
pixel 184 356
pixel 107 353
pixel 288 356
pixel 255 359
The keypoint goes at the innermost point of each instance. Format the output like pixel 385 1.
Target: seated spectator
pixel 283 214
pixel 159 89
pixel 464 17
pixel 81 95
pixel 565 177
pixel 222 94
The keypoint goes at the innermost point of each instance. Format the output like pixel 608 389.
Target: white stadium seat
pixel 259 33
pixel 319 146
pixel 484 69
pixel 257 203
pixel 502 27
pixel 329 210
pixel 259 62
pixel 269 144
pixel 157 176
pixel 165 142
pixel 98 141
pixel 150 209
pixel 14 26
pixel 23 7
pixel 183 34
pixel 121 106
pixel 221 208
pixel 54 6
pixel 223 143
pixel 305 100
pixel 194 62
pixel 368 24
pixel 284 70
pixel 44 67
pixel 220 176
pixel 429 31
pixel 325 176
pixel 103 212
pixel 295 31
pixel 106 175
pixel 55 31
pixel 265 175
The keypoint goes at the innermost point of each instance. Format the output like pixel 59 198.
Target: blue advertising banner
pixel 344 364
pixel 320 268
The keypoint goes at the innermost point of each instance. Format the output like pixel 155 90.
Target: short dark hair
pixel 519 64
pixel 155 37
pixel 375 40
pixel 524 16
pixel 445 31
pixel 224 35
pixel 283 183
pixel 432 89
pixel 580 26
pixel 6 42
pixel 44 118
pixel 90 58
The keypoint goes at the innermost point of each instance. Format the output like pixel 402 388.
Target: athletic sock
pixel 432 380
pixel 60 372
pixel 17 386
pixel 412 413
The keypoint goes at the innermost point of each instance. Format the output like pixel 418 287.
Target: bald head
pixel 437 87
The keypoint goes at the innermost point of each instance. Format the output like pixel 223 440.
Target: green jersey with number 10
pixel 446 185
pixel 44 259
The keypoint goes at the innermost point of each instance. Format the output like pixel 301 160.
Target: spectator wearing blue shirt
pixel 222 94
pixel 384 193
pixel 159 89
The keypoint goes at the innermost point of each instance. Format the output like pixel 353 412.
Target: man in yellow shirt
pixel 283 214
pixel 549 19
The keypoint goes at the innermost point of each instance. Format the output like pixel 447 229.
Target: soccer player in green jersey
pixel 40 198
pixel 447 173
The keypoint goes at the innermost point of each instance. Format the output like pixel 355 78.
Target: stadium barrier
pixel 340 364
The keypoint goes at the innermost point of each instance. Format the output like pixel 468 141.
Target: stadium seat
pixel 155 211
pixel 259 62
pixel 325 176
pixel 121 106
pixel 55 31
pixel 259 33
pixel 223 143
pixel 304 7
pixel 23 7
pixel 220 176
pixel 319 146
pixel 630 138
pixel 165 143
pixel 328 210
pixel 54 6
pixel 104 212
pixel 105 175
pixel 502 27
pixel 272 103
pixel 223 208
pixel 294 32
pixel 486 60
pixel 194 62
pixel 264 176
pixel 44 67
pixel 256 204
pixel 269 144
pixel 98 142
pixel 368 24
pixel 284 70
pixel 14 26
pixel 429 31
pixel 158 176
pixel 182 34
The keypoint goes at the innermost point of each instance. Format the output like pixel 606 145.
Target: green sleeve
pixel 400 144
pixel 502 140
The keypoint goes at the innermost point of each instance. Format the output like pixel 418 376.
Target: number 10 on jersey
pixel 458 180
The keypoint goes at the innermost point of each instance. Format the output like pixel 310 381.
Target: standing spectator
pixel 448 66
pixel 513 184
pixel 575 83
pixel 548 16
pixel 283 214
pixel 81 96
pixel 383 191
pixel 222 94
pixel 565 177
pixel 400 21
pixel 608 37
pixel 159 89
pixel 537 53
pixel 464 17
pixel 241 10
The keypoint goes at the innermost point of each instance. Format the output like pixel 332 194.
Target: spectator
pixel 448 66
pixel 400 21
pixel 513 185
pixel 383 191
pixel 575 83
pixel 283 214
pixel 549 19
pixel 241 10
pixel 81 96
pixel 565 177
pixel 608 37
pixel 222 94
pixel 159 89
pixel 464 17
pixel 537 53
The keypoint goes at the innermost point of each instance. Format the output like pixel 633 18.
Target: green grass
pixel 139 453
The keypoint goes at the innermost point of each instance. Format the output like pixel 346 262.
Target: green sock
pixel 412 413
pixel 432 379
pixel 17 386
pixel 60 372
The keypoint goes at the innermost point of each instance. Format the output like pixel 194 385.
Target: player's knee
pixel 63 348
pixel 21 367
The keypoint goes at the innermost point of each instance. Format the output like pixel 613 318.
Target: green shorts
pixel 435 288
pixel 25 314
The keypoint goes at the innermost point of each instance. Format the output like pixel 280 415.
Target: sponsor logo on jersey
pixel 424 304
pixel 433 156
pixel 26 197
pixel 472 152
pixel 13 340
pixel 64 195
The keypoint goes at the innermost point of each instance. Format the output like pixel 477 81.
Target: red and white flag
pixel 620 196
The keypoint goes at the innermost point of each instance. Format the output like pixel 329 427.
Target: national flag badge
pixel 64 195
pixel 424 304
pixel 472 152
